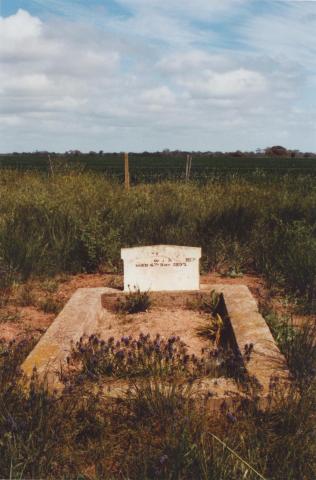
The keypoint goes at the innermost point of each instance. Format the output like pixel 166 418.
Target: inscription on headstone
pixel 161 267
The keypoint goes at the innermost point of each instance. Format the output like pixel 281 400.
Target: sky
pixel 135 75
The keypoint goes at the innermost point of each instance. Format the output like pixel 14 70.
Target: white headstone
pixel 161 267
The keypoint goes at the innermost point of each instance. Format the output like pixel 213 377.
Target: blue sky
pixel 146 74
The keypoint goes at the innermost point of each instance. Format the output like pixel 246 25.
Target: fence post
pixel 126 168
pixel 51 165
pixel 188 167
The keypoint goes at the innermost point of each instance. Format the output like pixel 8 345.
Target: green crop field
pixel 160 166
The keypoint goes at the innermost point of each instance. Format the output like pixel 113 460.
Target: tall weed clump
pixel 288 257
pixel 53 225
pixel 297 343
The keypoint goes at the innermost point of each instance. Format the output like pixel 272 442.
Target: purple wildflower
pixel 120 354
pixel 163 459
pixel 231 417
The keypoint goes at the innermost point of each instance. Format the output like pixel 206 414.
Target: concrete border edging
pixel 266 363
pixel 84 310
pixel 79 317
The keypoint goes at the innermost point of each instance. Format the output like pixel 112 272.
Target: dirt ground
pixel 19 322
pixel 162 321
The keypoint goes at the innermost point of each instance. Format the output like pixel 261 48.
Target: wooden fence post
pixel 126 165
pixel 51 165
pixel 188 167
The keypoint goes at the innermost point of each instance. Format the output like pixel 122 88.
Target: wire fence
pixel 159 167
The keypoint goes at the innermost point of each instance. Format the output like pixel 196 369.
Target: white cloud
pixel 39 61
pixel 30 83
pixel 19 28
pixel 227 84
pixel 182 62
pixel 158 96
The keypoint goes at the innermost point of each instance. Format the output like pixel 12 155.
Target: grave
pixel 161 268
pixel 173 281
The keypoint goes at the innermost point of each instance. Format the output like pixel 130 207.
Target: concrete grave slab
pixel 90 311
pixel 161 268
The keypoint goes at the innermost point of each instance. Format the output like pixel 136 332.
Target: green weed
pixel 50 285
pixel 25 296
pixel 134 302
pixel 50 305
pixel 205 303
pixel 212 329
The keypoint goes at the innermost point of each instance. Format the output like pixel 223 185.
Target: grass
pixel 50 285
pixel 298 344
pixel 25 296
pixel 50 305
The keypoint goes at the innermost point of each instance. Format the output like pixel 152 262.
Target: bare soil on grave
pixel 158 320
pixel 32 321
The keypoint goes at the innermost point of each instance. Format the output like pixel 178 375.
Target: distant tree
pixel 295 153
pixel 238 153
pixel 276 150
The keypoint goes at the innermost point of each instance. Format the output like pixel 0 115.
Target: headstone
pixel 161 267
